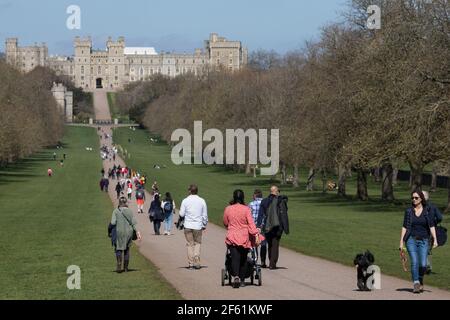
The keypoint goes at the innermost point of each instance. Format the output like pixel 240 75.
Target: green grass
pixel 115 111
pixel 48 224
pixel 322 225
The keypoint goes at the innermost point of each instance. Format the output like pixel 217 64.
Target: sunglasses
pixel 415 198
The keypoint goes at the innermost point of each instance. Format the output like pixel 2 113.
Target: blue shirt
pixel 255 205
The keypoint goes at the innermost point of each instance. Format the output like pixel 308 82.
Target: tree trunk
pixel 387 190
pixel 295 182
pixel 377 175
pixel 416 176
pixel 395 176
pixel 324 181
pixel 248 169
pixel 341 180
pixel 448 202
pixel 283 174
pixel 310 183
pixel 362 185
pixel 434 178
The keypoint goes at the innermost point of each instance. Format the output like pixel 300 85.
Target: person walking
pixel 140 199
pixel 418 227
pixel 436 215
pixel 106 184
pixel 255 206
pixel 242 235
pixel 273 221
pixel 129 191
pixel 54 156
pixel 118 190
pixel 125 224
pixel 168 206
pixel 156 214
pixel 194 211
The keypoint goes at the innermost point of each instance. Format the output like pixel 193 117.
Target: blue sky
pixel 169 25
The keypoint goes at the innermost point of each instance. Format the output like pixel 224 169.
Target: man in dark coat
pixel 273 221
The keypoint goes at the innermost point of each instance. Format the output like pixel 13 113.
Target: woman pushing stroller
pixel 242 235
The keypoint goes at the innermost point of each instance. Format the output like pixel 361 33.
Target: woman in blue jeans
pixel 168 207
pixel 418 225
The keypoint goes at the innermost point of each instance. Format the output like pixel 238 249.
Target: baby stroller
pixel 253 270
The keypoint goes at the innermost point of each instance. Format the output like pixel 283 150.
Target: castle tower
pixel 11 51
pixel 82 59
pixel 116 62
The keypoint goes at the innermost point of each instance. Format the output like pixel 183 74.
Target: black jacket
pixel 282 214
pixel 407 220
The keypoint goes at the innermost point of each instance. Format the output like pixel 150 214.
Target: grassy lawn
pixel 322 225
pixel 114 109
pixel 51 223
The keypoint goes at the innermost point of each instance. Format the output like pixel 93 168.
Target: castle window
pixel 117 70
pixel 82 69
pixel 99 70
pixel 92 70
pixel 116 78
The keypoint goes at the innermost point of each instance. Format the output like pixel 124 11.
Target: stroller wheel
pixel 224 275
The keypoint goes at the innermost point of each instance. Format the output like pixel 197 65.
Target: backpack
pixel 168 207
pixel 273 220
pixel 139 194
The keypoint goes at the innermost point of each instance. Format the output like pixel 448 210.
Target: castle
pixel 119 65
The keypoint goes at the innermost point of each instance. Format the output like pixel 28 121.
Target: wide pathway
pixel 300 276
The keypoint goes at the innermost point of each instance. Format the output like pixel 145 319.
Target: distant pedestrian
pixel 106 184
pixel 54 156
pixel 61 163
pixel 50 172
pixel 64 156
pixel 118 190
pixel 129 192
pixel 156 214
pixel 102 172
pixel 194 211
pixel 168 206
pixel 121 229
pixel 273 221
pixel 140 199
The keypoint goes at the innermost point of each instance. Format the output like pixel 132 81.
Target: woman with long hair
pixel 240 226
pixel 156 214
pixel 418 225
pixel 168 207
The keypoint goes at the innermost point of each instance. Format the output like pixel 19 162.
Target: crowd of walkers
pixel 258 225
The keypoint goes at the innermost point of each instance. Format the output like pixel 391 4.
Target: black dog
pixel 363 261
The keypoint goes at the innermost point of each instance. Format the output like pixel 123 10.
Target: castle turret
pixel 11 50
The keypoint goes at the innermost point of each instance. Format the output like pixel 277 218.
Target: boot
pixel 119 263
pixel 125 265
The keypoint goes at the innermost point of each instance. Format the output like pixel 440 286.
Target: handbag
pixel 441 235
pixel 134 236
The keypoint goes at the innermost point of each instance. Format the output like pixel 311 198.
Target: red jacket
pixel 241 227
